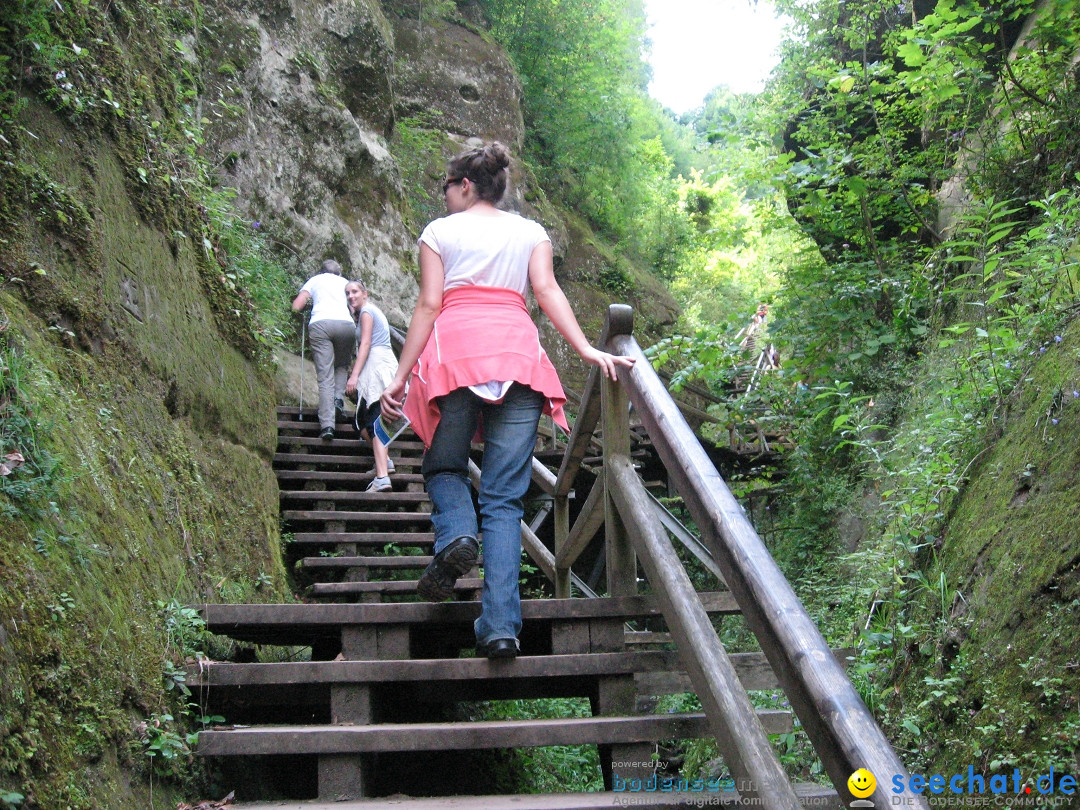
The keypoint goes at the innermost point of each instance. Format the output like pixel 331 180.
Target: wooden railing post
pixel 619 318
pixel 562 532
pixel 615 422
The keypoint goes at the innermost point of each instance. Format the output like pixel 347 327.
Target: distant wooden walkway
pixel 365 702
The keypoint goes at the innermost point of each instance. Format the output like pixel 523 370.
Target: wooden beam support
pixel 543 477
pixel 562 533
pixel 578 445
pixel 738 731
pixel 621 561
pixel 588 523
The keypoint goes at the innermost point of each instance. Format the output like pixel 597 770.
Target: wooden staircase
pixel 368 713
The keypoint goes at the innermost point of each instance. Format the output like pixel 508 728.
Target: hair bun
pixel 496 156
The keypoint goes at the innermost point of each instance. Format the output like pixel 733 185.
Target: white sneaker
pixel 389 467
pixel 379 485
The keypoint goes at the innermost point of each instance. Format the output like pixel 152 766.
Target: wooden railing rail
pixel 840 727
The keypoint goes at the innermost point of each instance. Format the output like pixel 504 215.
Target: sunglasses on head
pixel 447 183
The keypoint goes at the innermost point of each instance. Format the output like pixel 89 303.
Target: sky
pixel 698 44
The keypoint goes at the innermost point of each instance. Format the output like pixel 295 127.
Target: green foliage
pixel 554 769
pixel 595 136
pixel 30 472
pixel 418 146
pixel 185 628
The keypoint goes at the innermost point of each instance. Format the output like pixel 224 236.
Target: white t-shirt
pixel 328 302
pixel 488 251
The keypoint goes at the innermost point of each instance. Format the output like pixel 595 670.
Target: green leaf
pixel 912 55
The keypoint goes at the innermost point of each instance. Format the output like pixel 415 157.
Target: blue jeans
pixel 509 438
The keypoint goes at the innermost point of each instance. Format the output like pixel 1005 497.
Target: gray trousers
pixel 333 348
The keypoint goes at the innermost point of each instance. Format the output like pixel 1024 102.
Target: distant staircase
pixel 369 712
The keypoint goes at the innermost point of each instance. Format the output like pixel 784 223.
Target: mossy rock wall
pixel 162 428
pixel 1000 690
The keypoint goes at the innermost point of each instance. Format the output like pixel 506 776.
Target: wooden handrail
pixel 841 728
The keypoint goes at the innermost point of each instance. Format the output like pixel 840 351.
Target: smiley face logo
pixel 861 783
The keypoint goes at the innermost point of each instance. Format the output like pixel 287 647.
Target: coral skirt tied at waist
pixel 481 334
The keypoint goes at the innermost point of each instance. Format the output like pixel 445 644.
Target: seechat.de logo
pixel 861 784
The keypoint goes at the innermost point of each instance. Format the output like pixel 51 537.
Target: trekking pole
pixel 303 339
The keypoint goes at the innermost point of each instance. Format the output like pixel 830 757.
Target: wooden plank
pixel 353 445
pixel 646 637
pixel 732 718
pixel 397 586
pixel 365 538
pixel 353 497
pixel 844 733
pixel 365 517
pixel 395 563
pixel 385 737
pixel 222 617
pixel 658 672
pixel 312 426
pixel 338 477
pixel 423 670
pixel 810 796
pixel 341 459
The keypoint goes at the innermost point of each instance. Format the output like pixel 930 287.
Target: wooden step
pixel 356 479
pixel 343 460
pixel 371 539
pixel 395 563
pixel 353 497
pixel 363 517
pixel 346 444
pixel 644 637
pixel 809 795
pixel 388 737
pixel 310 425
pixel 661 667
pixel 298 624
pixel 388 587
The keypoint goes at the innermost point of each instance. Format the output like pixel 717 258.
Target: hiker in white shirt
pixel 333 338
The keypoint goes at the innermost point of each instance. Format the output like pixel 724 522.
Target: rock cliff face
pixel 334 122
pixel 305 94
